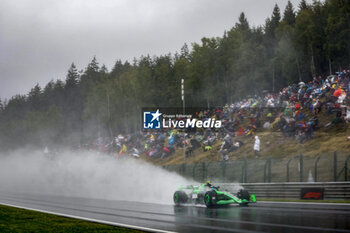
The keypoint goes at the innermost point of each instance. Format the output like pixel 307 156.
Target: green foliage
pixel 244 61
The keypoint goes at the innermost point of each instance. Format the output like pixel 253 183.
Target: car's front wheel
pixel 210 199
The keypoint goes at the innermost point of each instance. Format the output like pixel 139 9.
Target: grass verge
pixel 272 144
pixel 20 220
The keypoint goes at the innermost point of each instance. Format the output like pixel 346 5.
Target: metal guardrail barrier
pixel 291 190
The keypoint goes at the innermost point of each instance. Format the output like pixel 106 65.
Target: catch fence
pixel 333 167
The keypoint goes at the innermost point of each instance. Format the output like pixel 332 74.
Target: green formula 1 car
pixel 211 196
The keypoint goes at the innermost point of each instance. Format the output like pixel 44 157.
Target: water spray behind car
pixel 86 174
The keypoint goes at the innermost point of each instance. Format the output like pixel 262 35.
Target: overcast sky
pixel 39 39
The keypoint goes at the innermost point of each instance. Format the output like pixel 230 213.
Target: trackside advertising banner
pixel 177 118
pixel 312 193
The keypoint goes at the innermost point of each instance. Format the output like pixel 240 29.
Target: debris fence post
pixel 223 170
pixel 346 168
pixel 194 171
pixel 301 164
pixel 290 160
pixel 244 171
pixel 316 161
pixel 335 161
pixel 203 171
pixel 267 171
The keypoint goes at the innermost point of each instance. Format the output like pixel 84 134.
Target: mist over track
pixel 86 174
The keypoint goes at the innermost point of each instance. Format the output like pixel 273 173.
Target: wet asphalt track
pixel 259 217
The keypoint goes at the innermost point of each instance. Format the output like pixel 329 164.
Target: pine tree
pixel 242 24
pixel 185 54
pixel 93 66
pixel 303 5
pixel 272 23
pixel 72 77
pixel 91 74
pixel 34 97
pixel 276 16
pixel 289 14
pixel 103 69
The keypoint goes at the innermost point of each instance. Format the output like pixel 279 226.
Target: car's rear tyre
pixel 180 197
pixel 210 199
pixel 244 196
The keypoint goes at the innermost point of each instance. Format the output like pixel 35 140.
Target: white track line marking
pixel 91 219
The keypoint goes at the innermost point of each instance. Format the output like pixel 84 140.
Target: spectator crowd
pixel 295 111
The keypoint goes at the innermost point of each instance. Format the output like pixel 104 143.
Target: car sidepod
pixel 217 198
